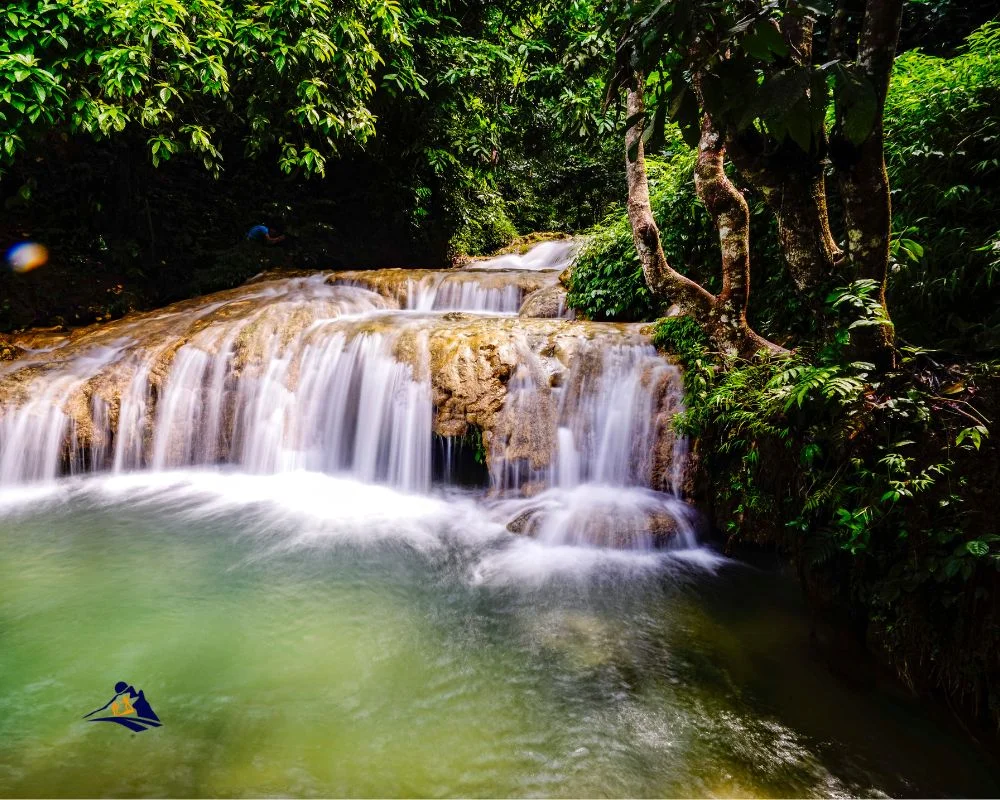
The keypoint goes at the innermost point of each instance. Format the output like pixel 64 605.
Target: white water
pixel 473 290
pixel 298 376
pixel 555 255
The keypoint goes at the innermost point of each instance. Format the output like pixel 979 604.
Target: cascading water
pixel 555 255
pixel 355 374
pixel 238 504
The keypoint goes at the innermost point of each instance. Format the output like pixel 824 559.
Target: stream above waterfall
pixel 398 533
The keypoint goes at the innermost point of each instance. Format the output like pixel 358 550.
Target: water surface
pixel 303 634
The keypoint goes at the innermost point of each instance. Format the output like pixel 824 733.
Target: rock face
pixel 8 351
pixel 546 303
pixel 322 372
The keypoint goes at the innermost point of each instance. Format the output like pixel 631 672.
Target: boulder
pixel 547 303
pixel 10 351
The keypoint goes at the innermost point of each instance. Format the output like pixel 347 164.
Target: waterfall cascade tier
pixel 473 290
pixel 364 373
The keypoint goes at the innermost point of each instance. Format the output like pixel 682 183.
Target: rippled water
pixel 302 634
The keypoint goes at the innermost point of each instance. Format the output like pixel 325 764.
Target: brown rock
pixel 547 303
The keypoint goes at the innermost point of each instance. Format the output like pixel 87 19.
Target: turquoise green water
pixel 308 636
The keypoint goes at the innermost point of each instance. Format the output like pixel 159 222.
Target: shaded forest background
pixel 499 130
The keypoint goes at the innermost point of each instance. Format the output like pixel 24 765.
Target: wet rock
pixel 629 520
pixel 522 523
pixel 9 351
pixel 470 366
pixel 495 290
pixel 522 244
pixel 547 303
pixel 510 377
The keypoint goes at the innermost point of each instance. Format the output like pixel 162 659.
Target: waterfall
pixel 359 374
pixel 497 292
pixel 555 255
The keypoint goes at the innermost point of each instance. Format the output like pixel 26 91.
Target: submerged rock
pixel 585 640
pixel 609 516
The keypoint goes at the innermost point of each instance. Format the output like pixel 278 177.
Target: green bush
pixel 607 281
pixel 943 154
pixel 875 482
pixel 483 226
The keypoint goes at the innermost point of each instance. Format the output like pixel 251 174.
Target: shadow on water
pixel 760 639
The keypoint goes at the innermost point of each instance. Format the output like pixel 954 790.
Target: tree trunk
pixel 731 214
pixel 794 188
pixel 727 323
pixel 664 282
pixel 864 182
pixel 791 180
pixel 723 317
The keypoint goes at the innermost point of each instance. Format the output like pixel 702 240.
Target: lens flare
pixel 27 256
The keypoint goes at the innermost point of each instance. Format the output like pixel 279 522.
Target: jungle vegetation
pixel 800 194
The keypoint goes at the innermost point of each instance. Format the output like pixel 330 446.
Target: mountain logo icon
pixel 127 708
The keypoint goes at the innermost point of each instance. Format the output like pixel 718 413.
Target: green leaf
pixel 798 124
pixel 633 150
pixel 765 41
pixel 978 547
pixel 688 118
pixel 857 105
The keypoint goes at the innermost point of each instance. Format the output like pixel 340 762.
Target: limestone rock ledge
pixel 509 377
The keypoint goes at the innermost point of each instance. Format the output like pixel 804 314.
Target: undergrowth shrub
pixel 879 482
pixel 607 281
pixel 481 222
pixel 943 154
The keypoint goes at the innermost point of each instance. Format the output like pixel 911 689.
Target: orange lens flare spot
pixel 27 256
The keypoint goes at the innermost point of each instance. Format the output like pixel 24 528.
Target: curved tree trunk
pixel 728 318
pixel 663 281
pixel 731 214
pixel 723 317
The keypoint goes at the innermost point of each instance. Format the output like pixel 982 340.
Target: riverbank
pixel 879 491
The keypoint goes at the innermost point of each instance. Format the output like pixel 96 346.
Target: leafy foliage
pixel 943 154
pixel 864 474
pixel 510 133
pixel 297 75
pixel 747 74
pixel 607 280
